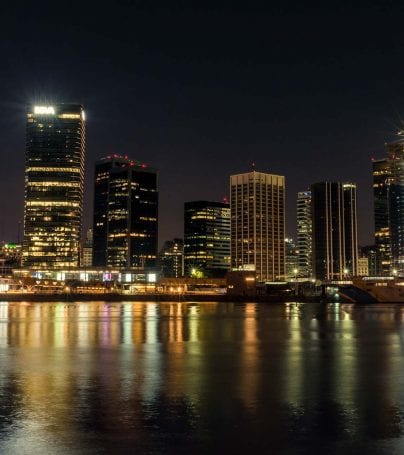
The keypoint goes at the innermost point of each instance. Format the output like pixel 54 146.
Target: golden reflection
pixel 249 377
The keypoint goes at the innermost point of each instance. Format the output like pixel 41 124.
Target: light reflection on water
pixel 220 377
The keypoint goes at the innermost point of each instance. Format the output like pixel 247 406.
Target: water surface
pixel 201 378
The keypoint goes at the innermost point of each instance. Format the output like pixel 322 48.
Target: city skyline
pixel 87 218
pixel 313 104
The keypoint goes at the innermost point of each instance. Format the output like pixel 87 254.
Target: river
pixel 146 377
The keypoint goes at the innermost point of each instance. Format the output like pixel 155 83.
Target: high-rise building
pixel 206 238
pixel 304 234
pixel 395 152
pixel 335 244
pixel 371 253
pixel 171 258
pixel 125 213
pixel 291 259
pixel 54 177
pixel 381 191
pixel 257 202
pixel 87 250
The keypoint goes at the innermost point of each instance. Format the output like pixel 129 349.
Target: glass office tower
pixel 335 238
pixel 304 234
pixel 125 213
pixel 381 194
pixel 54 177
pixel 395 152
pixel 206 238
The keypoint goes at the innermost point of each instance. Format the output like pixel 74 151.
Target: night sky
pixel 200 90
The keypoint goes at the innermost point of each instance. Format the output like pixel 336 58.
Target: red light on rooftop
pixel 144 165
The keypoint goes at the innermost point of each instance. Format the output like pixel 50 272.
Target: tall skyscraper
pixel 304 233
pixel 291 259
pixel 54 177
pixel 335 239
pixel 125 213
pixel 206 238
pixel 381 192
pixel 257 202
pixel 395 152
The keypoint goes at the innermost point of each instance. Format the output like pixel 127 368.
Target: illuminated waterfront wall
pixel 54 176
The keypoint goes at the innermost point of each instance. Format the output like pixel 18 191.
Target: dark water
pixel 201 378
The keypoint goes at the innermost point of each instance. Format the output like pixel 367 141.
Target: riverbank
pixel 155 297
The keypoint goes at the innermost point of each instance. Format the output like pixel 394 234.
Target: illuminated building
pixel 363 266
pixel 395 152
pixel 257 202
pixel 206 238
pixel 372 254
pixel 125 213
pixel 381 191
pixel 54 173
pixel 304 234
pixel 87 250
pixel 171 258
pixel 291 259
pixel 335 239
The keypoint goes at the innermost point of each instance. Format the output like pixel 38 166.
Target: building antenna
pixel 253 166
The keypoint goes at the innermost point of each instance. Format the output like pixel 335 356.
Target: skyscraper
pixel 257 202
pixel 125 213
pixel 381 192
pixel 54 174
pixel 395 152
pixel 335 239
pixel 206 238
pixel 291 259
pixel 304 233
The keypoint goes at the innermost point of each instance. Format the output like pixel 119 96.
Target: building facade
pixel 371 252
pixel 335 239
pixel 381 196
pixel 304 234
pixel 125 213
pixel 54 178
pixel 395 152
pixel 206 238
pixel 291 259
pixel 257 202
pixel 87 250
pixel 171 259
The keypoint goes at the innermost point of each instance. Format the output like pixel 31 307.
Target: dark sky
pixel 201 89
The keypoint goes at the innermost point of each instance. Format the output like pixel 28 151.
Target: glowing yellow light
pixel 72 116
pixel 44 110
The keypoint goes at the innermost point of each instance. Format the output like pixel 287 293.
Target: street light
pixel 295 271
